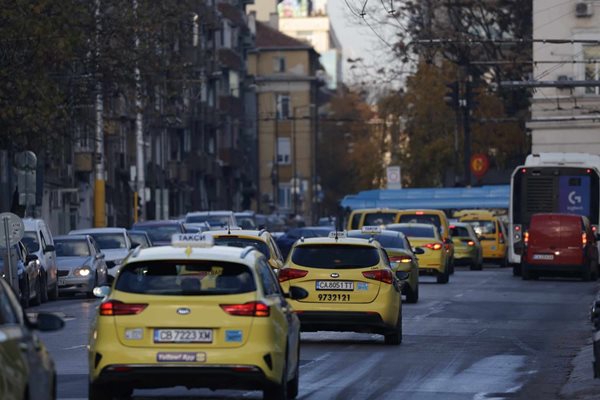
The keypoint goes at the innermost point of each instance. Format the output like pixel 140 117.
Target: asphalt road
pixel 485 335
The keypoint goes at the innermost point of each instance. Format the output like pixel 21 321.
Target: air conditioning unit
pixel 584 9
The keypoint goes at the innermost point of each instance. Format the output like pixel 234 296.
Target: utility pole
pixel 467 130
pixel 99 183
pixel 139 127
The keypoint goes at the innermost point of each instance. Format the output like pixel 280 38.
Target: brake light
pixel 500 237
pixel 115 307
pixel 526 237
pixel 471 243
pixel 250 309
pixel 583 239
pixel 434 246
pixel 286 274
pixel 524 170
pixel 401 259
pixel 420 213
pixel 382 275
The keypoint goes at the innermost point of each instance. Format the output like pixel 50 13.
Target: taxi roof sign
pixel 192 240
pixel 337 235
pixel 371 229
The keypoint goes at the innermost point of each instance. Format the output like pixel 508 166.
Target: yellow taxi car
pixel 401 255
pixel 492 235
pixel 467 248
pixel 371 217
pixel 434 260
pixel 195 315
pixel 350 285
pixel 261 239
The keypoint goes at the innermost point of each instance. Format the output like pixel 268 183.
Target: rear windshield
pixel 335 256
pixel 185 278
pixel 71 248
pixel 160 233
pixel 213 220
pixel 234 241
pixel 379 218
pixel 484 227
pixel 459 231
pixel 421 219
pixel 386 241
pixel 108 241
pixel 414 231
pixel 139 239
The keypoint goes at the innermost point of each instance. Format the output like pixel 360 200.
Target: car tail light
pixel 583 239
pixel 526 238
pixel 250 309
pixel 382 275
pixel 401 259
pixel 470 243
pixel 434 246
pixel 115 307
pixel 286 274
pixel 500 238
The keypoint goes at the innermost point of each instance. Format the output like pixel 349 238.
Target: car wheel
pixel 516 269
pixel 44 284
pixel 37 300
pixel 25 294
pixel 412 295
pixel 526 274
pixel 586 273
pixel 394 338
pixel 278 391
pixel 443 277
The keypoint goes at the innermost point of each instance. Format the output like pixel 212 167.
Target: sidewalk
pixel 581 384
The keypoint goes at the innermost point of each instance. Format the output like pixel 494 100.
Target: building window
pixel 285 196
pixel 283 106
pixel 283 151
pixel 279 64
pixel 591 55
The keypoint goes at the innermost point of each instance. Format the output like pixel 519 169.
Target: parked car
pixel 39 241
pixel 559 243
pixel 27 370
pixel 115 243
pixel 218 220
pixel 29 274
pixel 160 231
pixel 287 240
pixel 141 238
pixel 81 265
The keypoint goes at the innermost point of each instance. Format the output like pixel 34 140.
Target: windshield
pixel 307 233
pixel 414 231
pixel 234 241
pixel 335 256
pixel 484 227
pixel 31 241
pixel 72 248
pixel 421 219
pixel 459 231
pixel 386 241
pixel 246 223
pixel 379 218
pixel 213 220
pixel 185 278
pixel 139 238
pixel 160 233
pixel 107 241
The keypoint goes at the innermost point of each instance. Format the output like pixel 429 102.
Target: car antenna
pixel 228 229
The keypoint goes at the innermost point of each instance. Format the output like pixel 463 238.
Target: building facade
pixel 285 71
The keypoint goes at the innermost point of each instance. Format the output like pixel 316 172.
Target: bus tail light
pixel 381 275
pixel 517 233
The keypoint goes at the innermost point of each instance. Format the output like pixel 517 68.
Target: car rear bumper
pixel 246 377
pixel 574 268
pixel 342 321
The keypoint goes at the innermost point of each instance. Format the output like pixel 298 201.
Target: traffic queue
pixel 221 307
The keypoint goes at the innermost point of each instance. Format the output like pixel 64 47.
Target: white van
pixel 39 241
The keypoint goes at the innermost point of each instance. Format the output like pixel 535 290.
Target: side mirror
pixel 296 293
pixel 418 250
pixel 49 248
pixel 30 258
pixel 402 275
pixel 101 291
pixel 100 256
pixel 47 322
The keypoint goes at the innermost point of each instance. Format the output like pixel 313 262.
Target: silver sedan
pixel 81 264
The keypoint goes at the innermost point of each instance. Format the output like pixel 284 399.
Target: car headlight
pixel 82 271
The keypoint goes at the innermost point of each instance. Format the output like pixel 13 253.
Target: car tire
pixel 444 277
pixel 53 292
pixel 278 391
pixel 412 296
pixel 44 291
pixel 526 273
pixel 37 300
pixel 25 294
pixel 394 338
pixel 586 273
pixel 516 269
pixel 294 384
